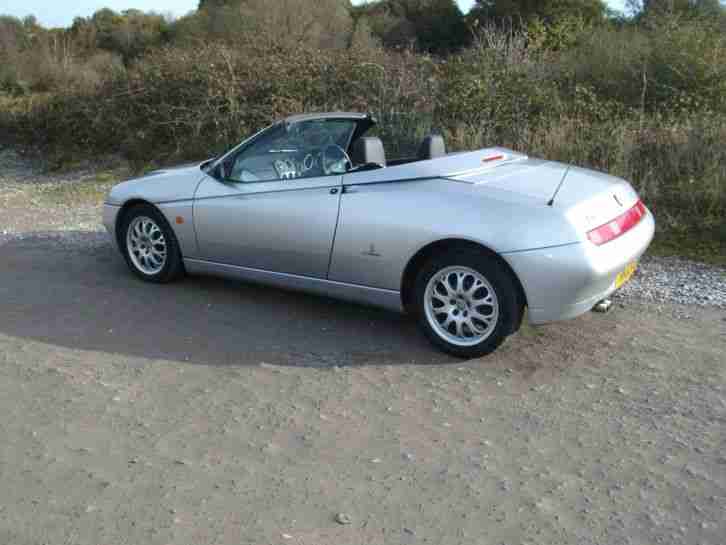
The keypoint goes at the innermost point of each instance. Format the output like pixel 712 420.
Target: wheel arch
pixel 444 245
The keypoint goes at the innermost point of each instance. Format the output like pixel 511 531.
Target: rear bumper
pixel 566 281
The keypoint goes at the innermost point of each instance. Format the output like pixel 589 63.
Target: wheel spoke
pixel 475 285
pixel 442 298
pixel 478 316
pixel 472 327
pixel 448 321
pixel 445 283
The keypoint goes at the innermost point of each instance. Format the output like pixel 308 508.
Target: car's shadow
pixel 79 294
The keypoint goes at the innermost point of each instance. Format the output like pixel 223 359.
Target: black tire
pixel 510 309
pixel 173 267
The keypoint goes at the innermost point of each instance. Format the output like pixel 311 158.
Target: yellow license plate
pixel 626 275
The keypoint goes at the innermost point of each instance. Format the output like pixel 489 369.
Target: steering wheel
pixel 335 160
pixel 286 169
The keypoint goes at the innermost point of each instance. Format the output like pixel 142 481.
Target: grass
pixel 689 246
pixel 84 192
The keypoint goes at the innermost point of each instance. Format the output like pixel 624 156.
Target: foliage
pixel 496 91
pixel 688 8
pixel 435 26
pixel 643 98
pixel 319 23
pixel 546 10
pixel 677 68
pixel 128 34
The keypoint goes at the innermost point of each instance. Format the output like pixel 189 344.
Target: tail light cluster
pixel 619 226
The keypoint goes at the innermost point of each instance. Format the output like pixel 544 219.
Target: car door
pixel 272 206
pixel 285 226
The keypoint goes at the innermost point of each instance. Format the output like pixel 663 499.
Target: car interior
pixel 368 152
pixel 316 148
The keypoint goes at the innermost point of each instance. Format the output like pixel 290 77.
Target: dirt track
pixel 210 412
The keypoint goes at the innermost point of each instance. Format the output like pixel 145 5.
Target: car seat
pixel 432 147
pixel 368 150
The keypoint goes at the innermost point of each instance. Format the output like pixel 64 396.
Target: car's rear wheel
pixel 149 245
pixel 466 303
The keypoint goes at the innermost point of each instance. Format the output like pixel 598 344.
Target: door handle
pixel 334 191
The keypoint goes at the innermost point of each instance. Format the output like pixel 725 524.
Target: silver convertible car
pixel 465 242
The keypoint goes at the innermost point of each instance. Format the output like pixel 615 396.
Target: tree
pixel 362 38
pixel 128 34
pixel 680 7
pixel 547 11
pixel 437 26
pixel 317 23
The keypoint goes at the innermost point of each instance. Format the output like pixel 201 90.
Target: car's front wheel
pixel 149 245
pixel 466 303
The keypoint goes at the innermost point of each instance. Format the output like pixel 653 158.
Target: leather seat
pixel 368 150
pixel 432 147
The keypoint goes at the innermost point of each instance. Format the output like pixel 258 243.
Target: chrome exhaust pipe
pixel 603 306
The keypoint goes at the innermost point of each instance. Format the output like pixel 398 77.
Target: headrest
pixel 368 149
pixel 433 146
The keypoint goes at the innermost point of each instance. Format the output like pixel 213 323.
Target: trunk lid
pixel 591 199
pixel 586 197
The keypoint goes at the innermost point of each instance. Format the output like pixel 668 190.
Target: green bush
pixel 677 67
pixel 495 93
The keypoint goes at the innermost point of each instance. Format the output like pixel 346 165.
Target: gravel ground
pixel 679 281
pixel 132 413
pixel 16 170
pixel 35 201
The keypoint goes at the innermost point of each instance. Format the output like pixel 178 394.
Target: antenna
pixel 562 181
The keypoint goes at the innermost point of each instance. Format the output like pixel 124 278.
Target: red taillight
pixel 492 158
pixel 620 225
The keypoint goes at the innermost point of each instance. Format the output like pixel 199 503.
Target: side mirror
pixel 219 172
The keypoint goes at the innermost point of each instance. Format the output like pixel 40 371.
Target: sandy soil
pixel 209 412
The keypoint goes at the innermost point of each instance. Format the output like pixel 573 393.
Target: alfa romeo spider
pixel 464 242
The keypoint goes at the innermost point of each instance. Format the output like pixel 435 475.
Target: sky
pixel 53 13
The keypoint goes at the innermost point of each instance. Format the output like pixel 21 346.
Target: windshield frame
pixel 362 126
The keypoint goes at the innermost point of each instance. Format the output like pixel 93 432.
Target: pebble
pixel 342 518
pixel 679 281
